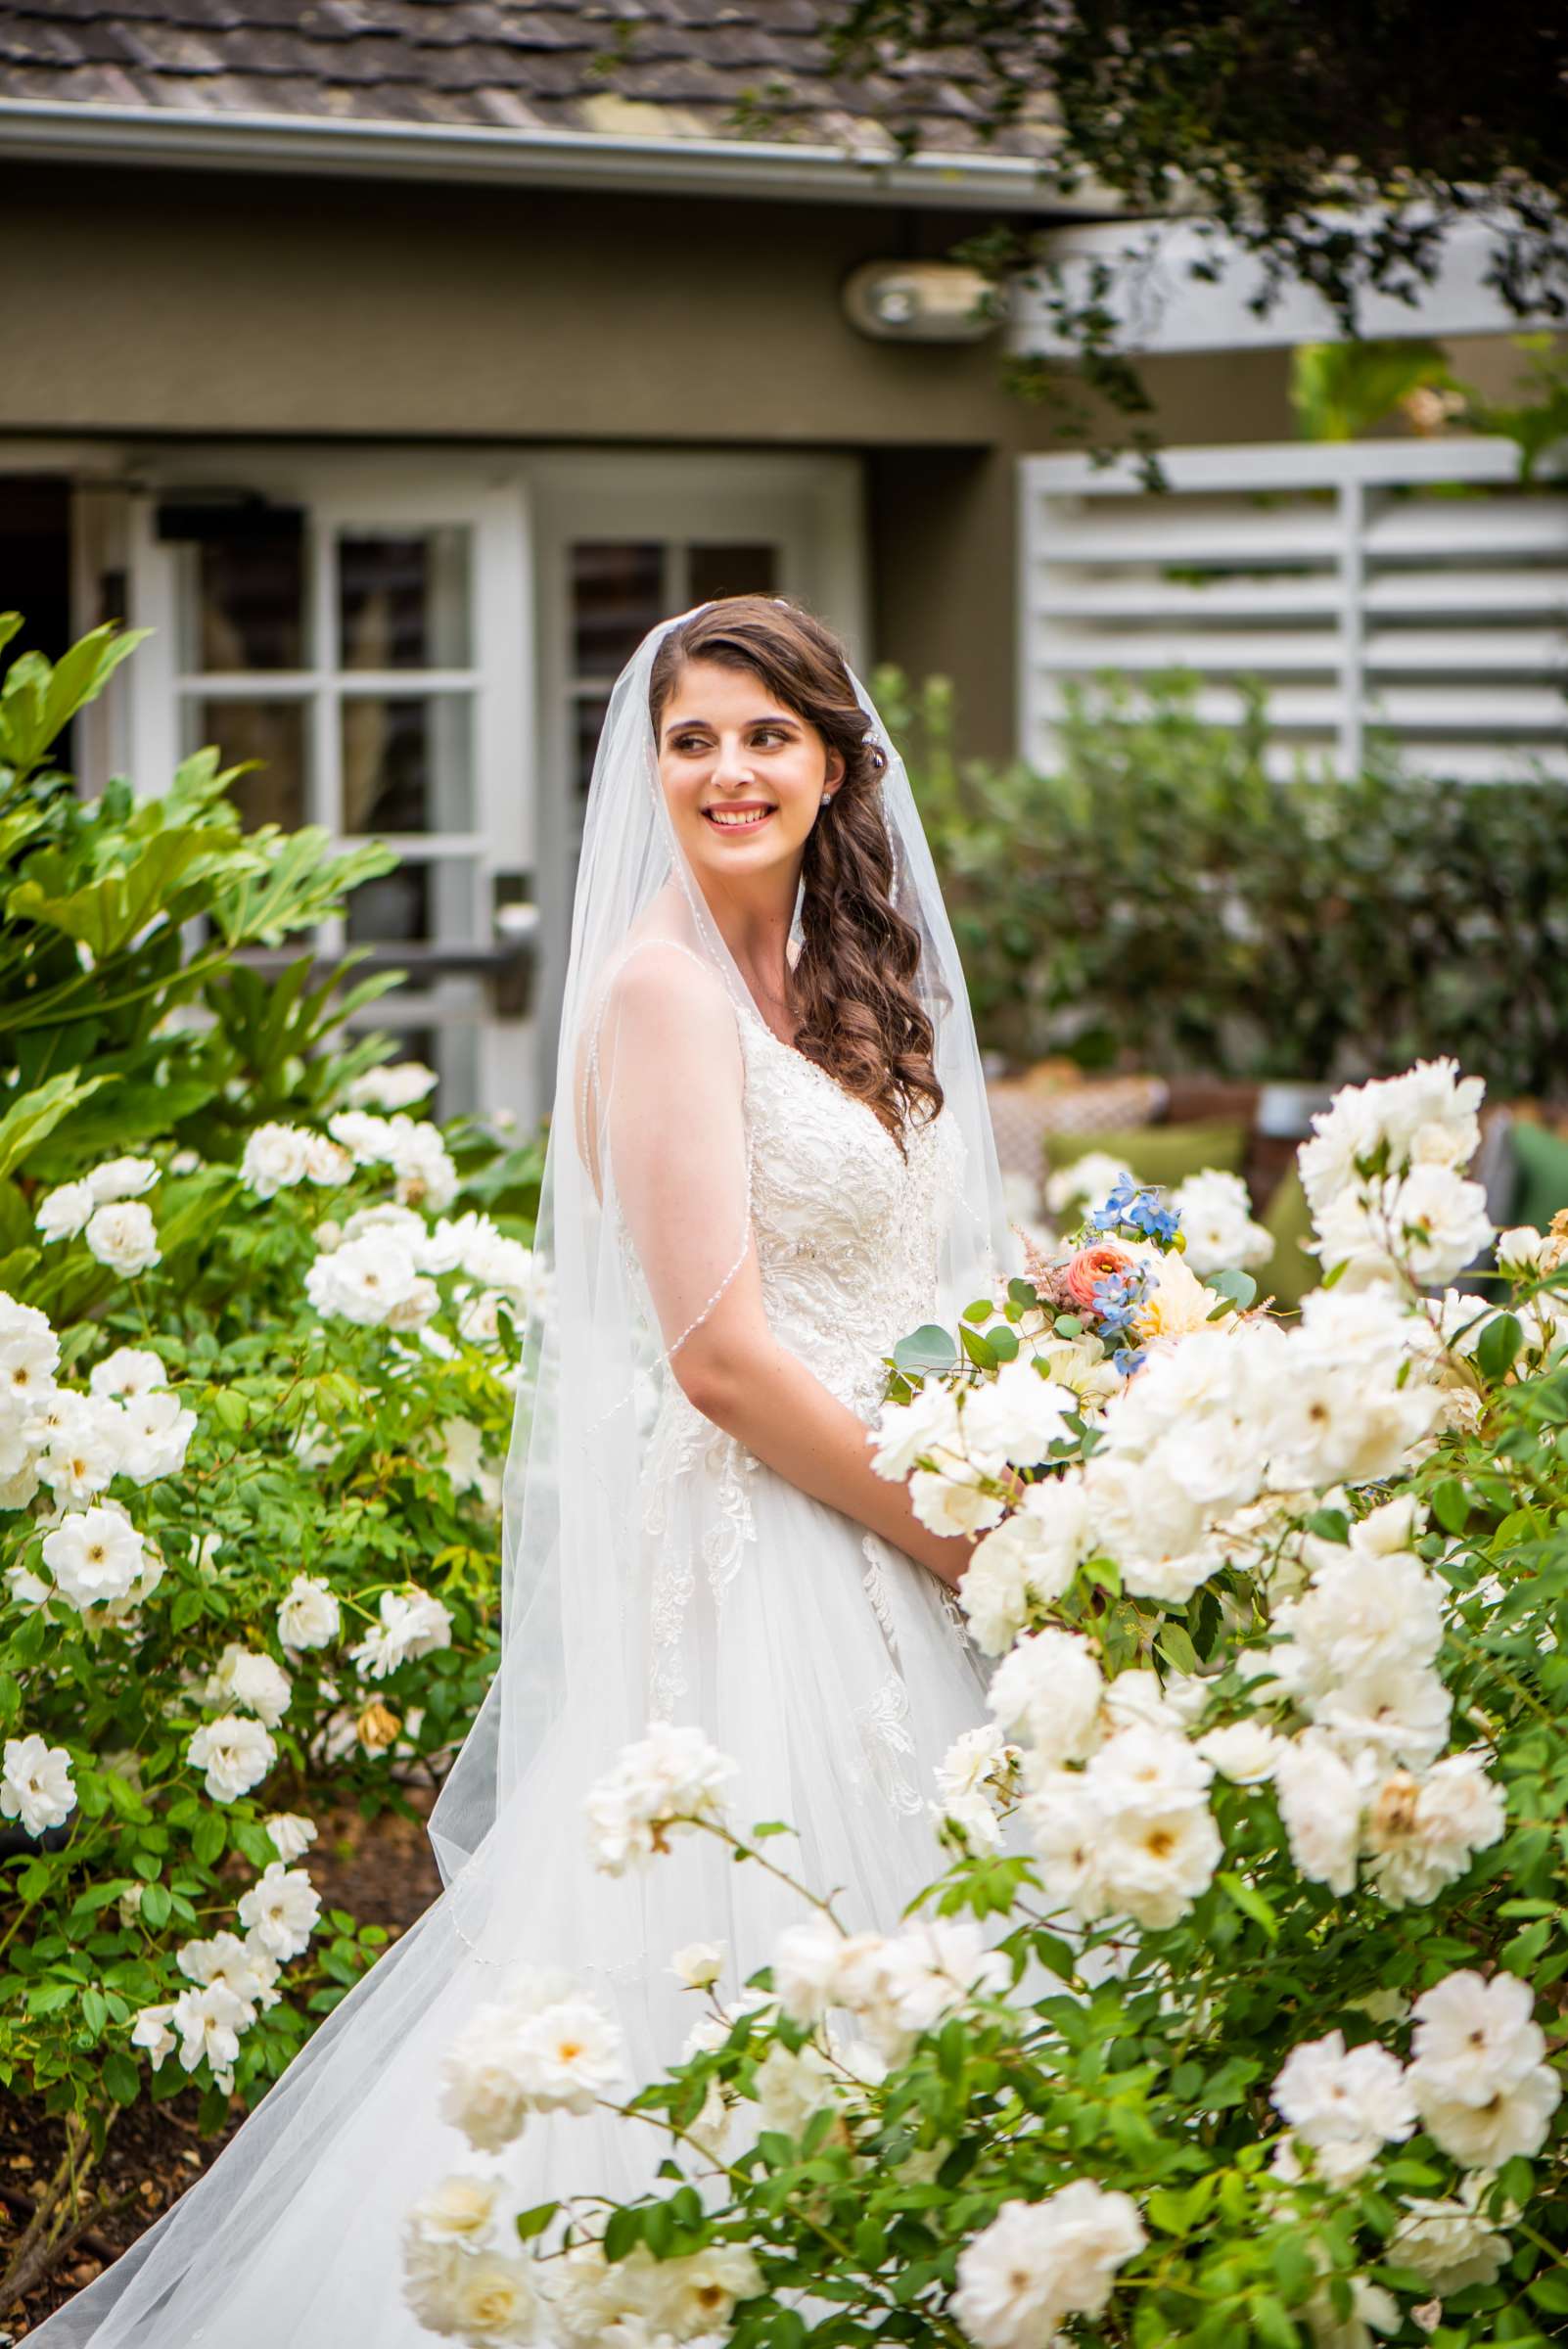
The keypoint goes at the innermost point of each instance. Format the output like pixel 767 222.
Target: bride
pixel 770 1157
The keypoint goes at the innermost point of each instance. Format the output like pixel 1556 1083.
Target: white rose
pixel 326 1163
pixel 65 1210
pixel 257 1681
pixel 952 1503
pixel 398 1086
pixel 150 2031
pixel 1039 2262
pixel 82 1437
pixel 671 1779
pixel 225 1959
pixel 816 1966
pixel 291 1831
pixel 130 1371
pixel 210 2021
pixel 308 1616
pixel 1449 2241
pixel 1345 2104
pixel 1242 1751
pixel 124 1237
pixel 1519 1251
pixel 1320 1805
pixel 235 1753
pixel 1050 1687
pixel 155 1436
pixel 412 1623
pixel 461 2209
pixel 1028 1560
pixel 275 1159
pixel 281 1909
pixel 1423 1834
pixel 1015 1416
pixel 120 1178
pixel 94 1555
pixel 30 1355
pixel 36 1784
pixel 364 1281
pixel 698 1964
pixel 925 1427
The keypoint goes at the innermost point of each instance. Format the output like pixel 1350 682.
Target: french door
pixel 418 647
pixel 622 540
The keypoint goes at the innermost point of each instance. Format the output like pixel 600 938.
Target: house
pixel 399 361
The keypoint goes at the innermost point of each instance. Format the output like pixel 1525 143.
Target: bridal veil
pixel 243 2254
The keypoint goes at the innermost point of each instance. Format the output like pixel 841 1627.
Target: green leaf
pixel 156 1906
pixel 979 1312
pixel 104 915
pixel 1496 1346
pixel 1251 1902
pixel 1237 1288
pixel 623 2233
pixel 1451 1505
pixel 1329 1525
pixel 1177 1647
pixel 121 2077
pixel 1271 2323
pixel 209 1837
pixel 925 1349
pixel 38 1113
pixel 530 2223
pixel 980 1352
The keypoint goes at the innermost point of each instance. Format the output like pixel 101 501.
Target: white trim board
pixel 1159 307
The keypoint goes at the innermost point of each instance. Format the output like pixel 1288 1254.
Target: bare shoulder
pixel 664 991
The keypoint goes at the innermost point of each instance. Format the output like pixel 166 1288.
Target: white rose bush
pixel 1235 2009
pixel 249 1451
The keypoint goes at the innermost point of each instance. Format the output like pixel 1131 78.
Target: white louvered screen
pixel 1364 590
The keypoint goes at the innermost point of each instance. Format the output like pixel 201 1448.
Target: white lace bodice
pixel 847 1228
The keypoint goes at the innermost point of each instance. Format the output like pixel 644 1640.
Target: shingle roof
pixel 677 68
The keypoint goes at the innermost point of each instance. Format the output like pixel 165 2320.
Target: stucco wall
pixel 179 305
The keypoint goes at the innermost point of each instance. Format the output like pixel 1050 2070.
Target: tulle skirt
pixel 834 1671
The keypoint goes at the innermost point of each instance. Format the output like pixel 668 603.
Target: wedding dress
pixel 831 1668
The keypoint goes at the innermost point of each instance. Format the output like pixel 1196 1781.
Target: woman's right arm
pixel 670 1063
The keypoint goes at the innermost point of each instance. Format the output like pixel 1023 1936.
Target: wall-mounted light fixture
pixel 920 301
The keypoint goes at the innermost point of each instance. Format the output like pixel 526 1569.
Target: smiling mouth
pixel 737 819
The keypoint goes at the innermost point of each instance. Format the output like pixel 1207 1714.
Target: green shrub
pixel 1158 899
pixel 236 1350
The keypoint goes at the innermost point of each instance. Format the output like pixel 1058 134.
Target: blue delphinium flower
pixel 1134 1207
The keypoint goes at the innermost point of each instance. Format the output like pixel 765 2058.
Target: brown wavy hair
pixel 851 990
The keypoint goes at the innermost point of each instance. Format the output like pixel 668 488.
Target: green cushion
pixel 1290 1271
pixel 1540 1186
pixel 1162 1154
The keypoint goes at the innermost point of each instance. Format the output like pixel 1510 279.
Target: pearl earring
pixel 826 795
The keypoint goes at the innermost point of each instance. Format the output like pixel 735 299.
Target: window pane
pixel 732 571
pixel 588 719
pixel 407 764
pixel 416 904
pixel 617 593
pixel 273 732
pixel 403 599
pixel 242 601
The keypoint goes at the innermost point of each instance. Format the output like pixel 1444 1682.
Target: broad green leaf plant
pixel 257 1368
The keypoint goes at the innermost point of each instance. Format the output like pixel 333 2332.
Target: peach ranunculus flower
pixel 1082 1273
